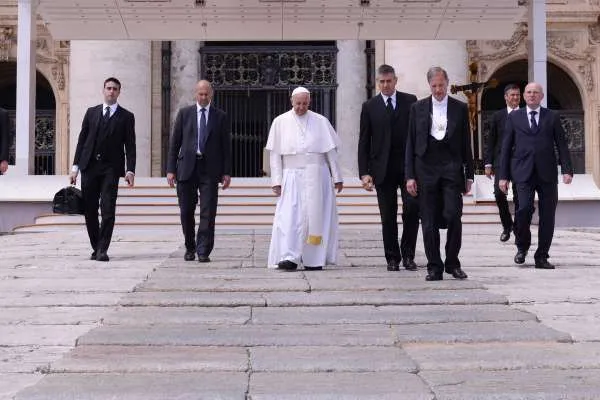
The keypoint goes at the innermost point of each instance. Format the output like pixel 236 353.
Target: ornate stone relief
pixel 7 37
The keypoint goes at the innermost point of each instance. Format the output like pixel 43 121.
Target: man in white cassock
pixel 304 171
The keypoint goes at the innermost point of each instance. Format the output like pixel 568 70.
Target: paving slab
pixel 197 299
pixel 504 356
pixel 246 335
pixel 416 314
pixel 80 285
pixel 330 359
pixel 383 297
pixel 139 386
pixel 158 359
pixel 12 383
pixel 52 315
pixel 102 299
pixel 582 321
pixel 538 384
pixel 43 335
pixel 414 281
pixel 29 359
pixel 338 386
pixel 469 332
pixel 178 315
pixel 224 285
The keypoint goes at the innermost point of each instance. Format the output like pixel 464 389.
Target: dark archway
pixel 45 117
pixel 563 96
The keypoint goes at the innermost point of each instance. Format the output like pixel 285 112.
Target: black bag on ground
pixel 68 200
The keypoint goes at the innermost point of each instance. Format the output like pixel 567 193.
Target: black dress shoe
pixel 287 265
pixel 203 259
pixel 434 277
pixel 543 264
pixel 409 264
pixel 458 273
pixel 93 256
pixel 505 235
pixel 317 268
pixel 189 255
pixel 101 256
pixel 393 265
pixel 520 256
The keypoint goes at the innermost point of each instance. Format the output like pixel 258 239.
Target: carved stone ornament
pixel 500 48
pixel 586 60
pixel 7 37
pixel 594 33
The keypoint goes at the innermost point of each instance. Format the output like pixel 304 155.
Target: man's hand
pixel 171 179
pixel 469 186
pixel 411 187
pixel 567 179
pixel 129 178
pixel 339 186
pixel 277 190
pixel 503 185
pixel 3 166
pixel 73 177
pixel 226 181
pixel 367 182
pixel 488 172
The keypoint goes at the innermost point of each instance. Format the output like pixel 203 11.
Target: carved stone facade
pixel 53 63
pixel 573 40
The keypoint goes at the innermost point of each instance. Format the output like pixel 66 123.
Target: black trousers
pixel 200 184
pixel 99 186
pixel 547 202
pixel 440 186
pixel 505 217
pixel 387 200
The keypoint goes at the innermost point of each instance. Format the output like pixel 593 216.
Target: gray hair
pixel 433 71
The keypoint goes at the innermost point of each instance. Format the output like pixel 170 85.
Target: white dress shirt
pixel 537 115
pixel 393 97
pixel 439 117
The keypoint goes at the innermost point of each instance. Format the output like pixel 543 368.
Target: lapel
pixel 524 118
pixel 114 121
pixel 451 115
pixel 427 112
pixel 194 116
pixel 542 119
pixel 397 109
pixel 211 121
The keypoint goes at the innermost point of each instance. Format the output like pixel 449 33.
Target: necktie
pixel 390 106
pixel 106 114
pixel 202 130
pixel 534 125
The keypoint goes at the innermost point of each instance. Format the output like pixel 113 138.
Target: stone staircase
pixel 248 203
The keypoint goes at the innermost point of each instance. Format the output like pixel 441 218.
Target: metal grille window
pixel 45 138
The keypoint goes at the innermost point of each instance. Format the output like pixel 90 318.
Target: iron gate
pixel 253 85
pixel 45 138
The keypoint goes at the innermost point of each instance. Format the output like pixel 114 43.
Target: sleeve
pixel 175 143
pixel 467 151
pixel 560 138
pixel 276 163
pixel 334 167
pixel 4 135
pixel 364 142
pixel 82 137
pixel 130 150
pixel 508 137
pixel 409 157
pixel 491 142
pixel 226 145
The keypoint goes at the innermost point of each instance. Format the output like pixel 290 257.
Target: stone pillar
pixel 412 58
pixel 130 62
pixel 351 78
pixel 537 44
pixel 185 61
pixel 25 140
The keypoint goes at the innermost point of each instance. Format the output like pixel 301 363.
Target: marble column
pixel 351 79
pixel 130 62
pixel 185 59
pixel 537 56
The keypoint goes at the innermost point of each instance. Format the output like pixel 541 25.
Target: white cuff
pixel 75 168
pixel 129 172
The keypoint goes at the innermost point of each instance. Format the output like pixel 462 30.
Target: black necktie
pixel 534 125
pixel 202 130
pixel 390 106
pixel 106 114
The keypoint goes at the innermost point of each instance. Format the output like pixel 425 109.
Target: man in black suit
pixel 199 158
pixel 439 166
pixel 381 148
pixel 512 97
pixel 4 137
pixel 528 159
pixel 106 140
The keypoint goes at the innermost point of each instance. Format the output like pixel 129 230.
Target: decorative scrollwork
pixel 269 68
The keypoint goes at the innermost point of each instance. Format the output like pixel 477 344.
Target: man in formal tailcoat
pixel 512 97
pixel 199 159
pixel 381 149
pixel 4 139
pixel 439 167
pixel 528 156
pixel 106 140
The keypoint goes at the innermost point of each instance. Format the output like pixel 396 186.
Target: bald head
pixel 204 93
pixel 533 94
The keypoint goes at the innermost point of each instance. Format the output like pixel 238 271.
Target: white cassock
pixel 303 155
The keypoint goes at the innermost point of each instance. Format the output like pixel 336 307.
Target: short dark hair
pixel 511 86
pixel 113 80
pixel 385 69
pixel 433 71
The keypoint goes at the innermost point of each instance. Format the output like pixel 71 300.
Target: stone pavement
pixel 148 325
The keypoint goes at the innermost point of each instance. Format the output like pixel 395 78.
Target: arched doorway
pixel 563 97
pixel 45 117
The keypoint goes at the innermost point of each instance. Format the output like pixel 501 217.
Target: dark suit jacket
pixel 457 131
pixel 376 133
pixel 523 149
pixel 117 144
pixel 494 144
pixel 4 134
pixel 184 141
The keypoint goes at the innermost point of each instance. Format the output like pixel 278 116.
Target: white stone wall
pixel 130 62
